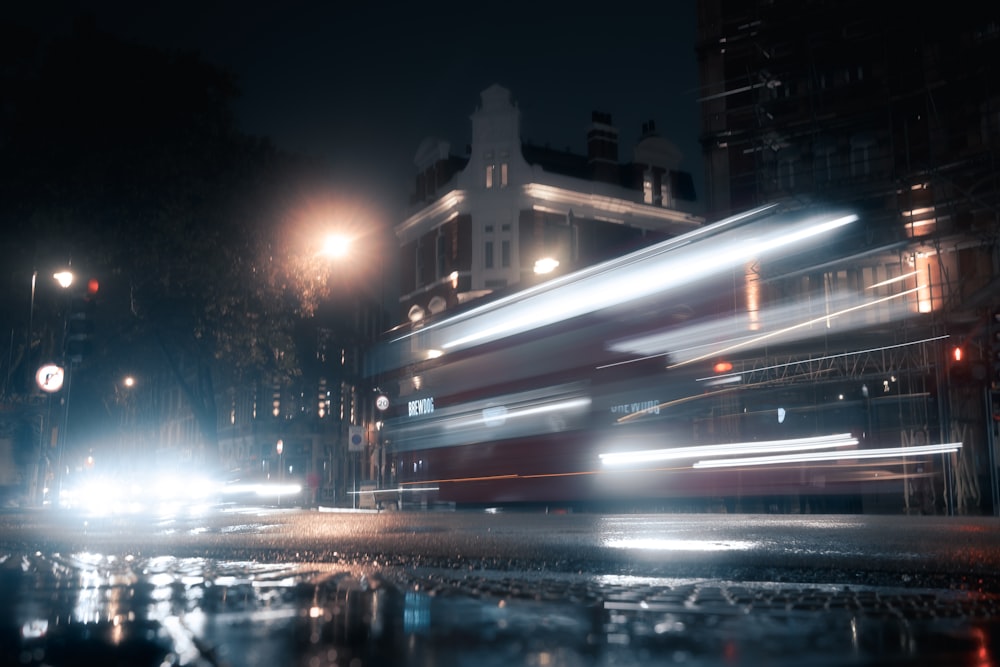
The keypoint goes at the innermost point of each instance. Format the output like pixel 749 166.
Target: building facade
pixel 507 213
pixel 325 420
pixel 895 113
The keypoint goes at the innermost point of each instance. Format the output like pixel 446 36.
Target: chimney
pixel 602 148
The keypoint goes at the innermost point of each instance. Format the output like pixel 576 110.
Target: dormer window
pixel 493 177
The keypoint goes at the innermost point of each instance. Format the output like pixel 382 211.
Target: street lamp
pixel 50 378
pixel 335 246
pixel 546 265
pixel 64 278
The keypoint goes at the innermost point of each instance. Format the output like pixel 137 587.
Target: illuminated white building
pixel 509 213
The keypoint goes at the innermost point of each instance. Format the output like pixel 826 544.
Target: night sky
pixel 361 84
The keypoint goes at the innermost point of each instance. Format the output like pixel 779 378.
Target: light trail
pixel 695 451
pixel 886 452
pixel 756 340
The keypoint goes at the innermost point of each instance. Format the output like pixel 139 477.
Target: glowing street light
pixel 546 265
pixel 335 245
pixel 64 278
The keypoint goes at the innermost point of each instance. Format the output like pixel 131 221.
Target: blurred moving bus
pixel 616 382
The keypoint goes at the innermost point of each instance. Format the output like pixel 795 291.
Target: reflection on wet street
pixel 86 609
pixel 89 608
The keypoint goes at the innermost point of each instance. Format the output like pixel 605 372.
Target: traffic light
pixel 80 323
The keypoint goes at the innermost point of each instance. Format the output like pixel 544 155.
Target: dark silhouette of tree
pixel 126 160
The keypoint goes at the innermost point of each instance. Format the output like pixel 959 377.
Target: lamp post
pixel 31 327
pixel 330 289
pixel 128 430
pixel 38 477
pixel 65 280
pixel 50 378
pixel 335 247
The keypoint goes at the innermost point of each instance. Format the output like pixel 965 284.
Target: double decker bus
pixel 616 382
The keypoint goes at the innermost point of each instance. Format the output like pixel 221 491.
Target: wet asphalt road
pixel 287 587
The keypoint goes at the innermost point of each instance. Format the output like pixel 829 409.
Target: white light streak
pixel 695 451
pixel 724 379
pixel 478 419
pixel 264 490
pixel 496 308
pixel 662 544
pixel 757 340
pixel 883 453
pixel 641 275
pixel 897 279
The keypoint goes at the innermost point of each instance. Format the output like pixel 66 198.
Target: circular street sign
pixel 50 378
pixel 382 402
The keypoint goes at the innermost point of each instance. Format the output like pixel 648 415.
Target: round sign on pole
pixel 50 378
pixel 356 439
pixel 382 402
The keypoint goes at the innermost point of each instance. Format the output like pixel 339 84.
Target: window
pixel 441 254
pixel 989 123
pixel 861 154
pixel 786 173
pixel 488 255
pixel 503 174
pixel 489 176
pixel 418 264
pixel 505 254
pixel 825 160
